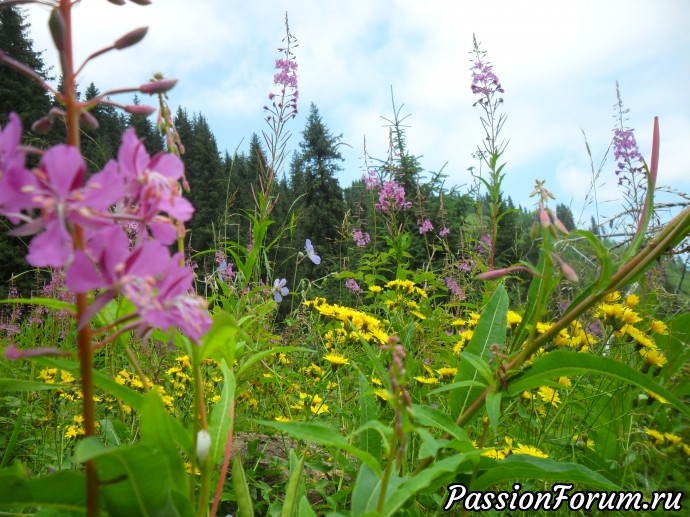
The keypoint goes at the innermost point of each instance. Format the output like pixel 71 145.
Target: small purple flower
pixel 225 272
pixel 626 152
pixel 443 232
pixel 279 290
pixel 484 244
pixel 353 286
pixel 311 253
pixel 425 226
pixel 361 239
pixel 455 290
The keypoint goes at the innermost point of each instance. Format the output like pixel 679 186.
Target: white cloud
pixel 558 62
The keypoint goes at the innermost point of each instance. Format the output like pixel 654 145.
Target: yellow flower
pixel 686 449
pixel 632 300
pixel 73 432
pixel 48 375
pixel 630 317
pixel 336 359
pixel 527 395
pixel 674 439
pixel 653 357
pixel 317 406
pixel 447 371
pixel 659 327
pixel 281 418
pixel 529 450
pixel 376 381
pixel 184 361
pixel 426 380
pixel 66 377
pixel 612 297
pixel 565 382
pixel 514 319
pixel 580 441
pixel 497 454
pixel 639 336
pixel 656 397
pixel 283 358
pixel 549 395
pixel 381 393
pixel 656 436
pixel 375 289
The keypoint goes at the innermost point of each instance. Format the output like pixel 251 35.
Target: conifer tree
pixel 313 181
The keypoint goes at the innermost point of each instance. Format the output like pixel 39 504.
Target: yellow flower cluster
pixel 623 320
pixel 365 326
pixel 500 453
pixel 314 402
pixel 76 429
pixel 406 286
pixel 659 439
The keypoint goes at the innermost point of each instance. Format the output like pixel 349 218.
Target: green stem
pixel 387 474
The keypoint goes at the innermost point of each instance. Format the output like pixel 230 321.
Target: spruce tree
pixel 314 184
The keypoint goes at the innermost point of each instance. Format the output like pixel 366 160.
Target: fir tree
pixel 314 183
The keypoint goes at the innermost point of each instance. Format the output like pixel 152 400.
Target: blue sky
pixel 557 60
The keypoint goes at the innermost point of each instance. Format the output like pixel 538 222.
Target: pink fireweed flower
pixel 455 290
pixel 12 198
pixel 287 77
pixel 444 231
pixel 361 239
pixel 311 253
pixel 152 186
pixel 425 226
pixel 57 189
pixel 371 180
pixel 392 198
pixel 484 244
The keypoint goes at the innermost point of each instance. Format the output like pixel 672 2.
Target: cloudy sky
pixel 558 61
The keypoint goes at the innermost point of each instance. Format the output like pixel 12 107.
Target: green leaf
pixel 480 366
pixel 365 492
pixel 239 482
pixel 305 509
pixel 430 417
pixel 430 445
pixel 522 466
pixel 50 303
pixel 65 489
pixel 560 363
pixel 533 307
pixel 457 385
pixel 291 492
pixel 221 337
pixel 427 479
pixel 220 423
pixel 135 480
pixel 490 330
pixel 369 440
pixel 157 433
pixel 493 408
pixel 323 435
pixel 602 253
pixel 7 385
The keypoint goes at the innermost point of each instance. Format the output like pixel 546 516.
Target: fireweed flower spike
pixel 279 290
pixel 311 253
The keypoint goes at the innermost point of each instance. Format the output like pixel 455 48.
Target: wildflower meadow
pixel 178 343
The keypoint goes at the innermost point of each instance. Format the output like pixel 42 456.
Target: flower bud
pixel 141 2
pixel 568 272
pixel 498 273
pixel 203 445
pixel 57 29
pixel 139 109
pixel 544 218
pixel 43 125
pixel 87 120
pixel 160 86
pixel 131 38
pixel 117 2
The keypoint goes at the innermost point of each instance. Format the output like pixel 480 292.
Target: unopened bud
pixel 139 109
pixel 141 2
pixel 57 29
pixel 131 38
pixel 43 125
pixel 568 272
pixel 117 2
pixel 203 445
pixel 86 119
pixel 155 87
pixel 544 218
pixel 498 273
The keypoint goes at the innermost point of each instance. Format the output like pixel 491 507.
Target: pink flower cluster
pixel 361 238
pixel 425 226
pixel 54 199
pixel 392 198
